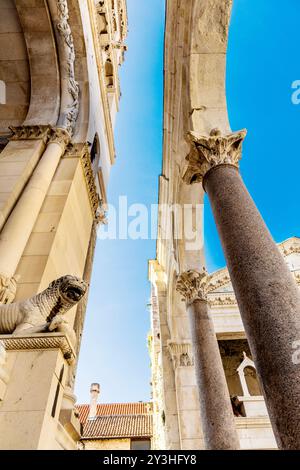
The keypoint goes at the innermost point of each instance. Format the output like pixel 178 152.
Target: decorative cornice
pixel 90 181
pixel 63 27
pixel 193 285
pixel 289 246
pixel 210 151
pixel 39 341
pixel 221 300
pixel 30 132
pixel 181 354
pixel 218 279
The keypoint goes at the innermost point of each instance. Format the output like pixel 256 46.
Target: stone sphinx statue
pixel 45 311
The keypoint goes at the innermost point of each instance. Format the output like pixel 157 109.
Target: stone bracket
pixel 40 341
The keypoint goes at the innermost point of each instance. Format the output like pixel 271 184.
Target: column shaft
pixel 17 230
pixel 216 411
pixel 267 295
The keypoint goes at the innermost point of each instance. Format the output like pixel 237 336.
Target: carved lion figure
pixel 44 312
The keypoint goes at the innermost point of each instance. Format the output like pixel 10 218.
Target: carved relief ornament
pixel 181 354
pixel 68 47
pixel 193 285
pixel 210 151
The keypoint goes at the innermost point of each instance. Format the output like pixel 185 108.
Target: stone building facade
pixel 60 94
pixel 176 408
pixel 205 325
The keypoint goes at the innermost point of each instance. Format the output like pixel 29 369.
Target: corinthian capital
pixel 210 151
pixel 60 136
pixel 193 285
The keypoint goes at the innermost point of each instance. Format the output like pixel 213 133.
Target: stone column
pixel 266 292
pixel 17 230
pixel 216 411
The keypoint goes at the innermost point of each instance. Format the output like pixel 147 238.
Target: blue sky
pixel 263 61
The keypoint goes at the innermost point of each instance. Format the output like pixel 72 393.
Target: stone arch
pixel 14 69
pixel 42 55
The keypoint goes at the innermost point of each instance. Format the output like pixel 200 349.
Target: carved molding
pixel 30 133
pixel 193 285
pixel 90 181
pixel 63 27
pixel 218 279
pixel 210 151
pixel 181 354
pixel 38 341
pixel 222 300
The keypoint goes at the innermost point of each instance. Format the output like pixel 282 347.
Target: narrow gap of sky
pixel 262 63
pixel 114 347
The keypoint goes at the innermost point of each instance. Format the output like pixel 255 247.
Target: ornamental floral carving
pixel 60 136
pixel 210 151
pixel 193 285
pixel 65 32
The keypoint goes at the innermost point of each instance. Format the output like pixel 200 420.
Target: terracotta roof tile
pixel 121 426
pixel 115 409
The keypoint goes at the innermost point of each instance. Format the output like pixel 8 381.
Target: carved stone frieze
pixel 210 151
pixel 193 285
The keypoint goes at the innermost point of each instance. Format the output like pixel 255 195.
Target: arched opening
pixel 109 74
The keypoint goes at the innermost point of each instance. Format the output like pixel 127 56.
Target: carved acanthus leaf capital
pixel 193 285
pixel 60 136
pixel 210 151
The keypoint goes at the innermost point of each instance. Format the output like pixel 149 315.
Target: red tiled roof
pixel 115 409
pixel 117 420
pixel 104 427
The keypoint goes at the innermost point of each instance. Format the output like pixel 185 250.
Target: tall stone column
pixel 18 227
pixel 266 292
pixel 216 411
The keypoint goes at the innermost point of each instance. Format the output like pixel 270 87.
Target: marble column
pixel 266 292
pixel 216 411
pixel 18 227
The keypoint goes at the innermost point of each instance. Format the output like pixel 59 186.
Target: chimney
pixel 94 390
